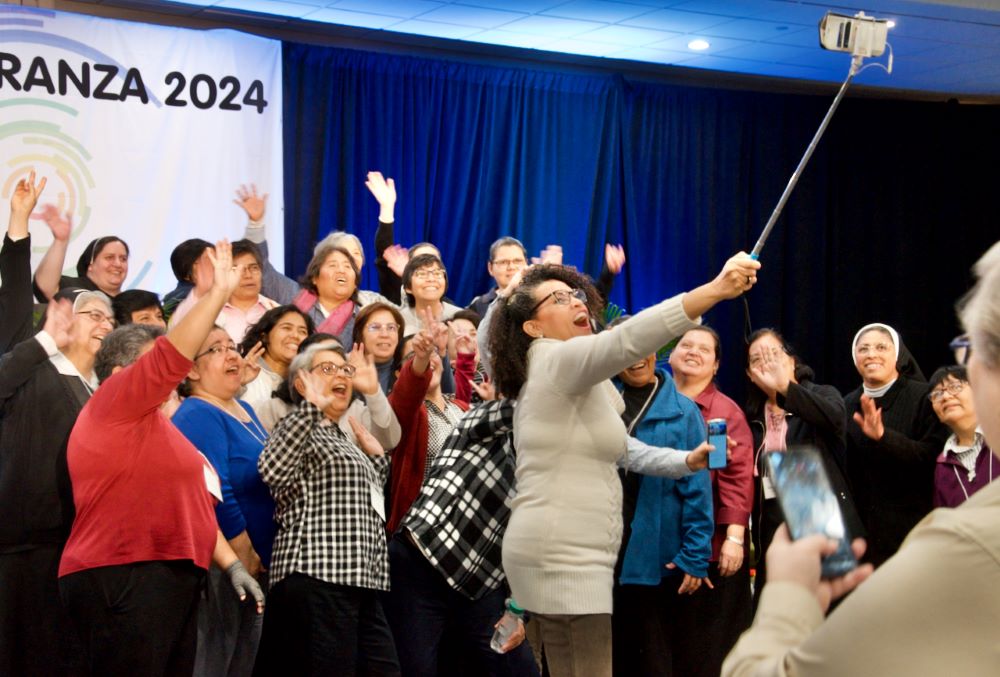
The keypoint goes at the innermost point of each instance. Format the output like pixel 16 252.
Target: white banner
pixel 143 131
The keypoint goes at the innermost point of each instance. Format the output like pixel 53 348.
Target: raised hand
pixel 251 363
pixel 614 258
pixel 226 276
pixel 25 196
pixel 365 374
pixel 383 189
pixel 737 276
pixel 60 225
pixel 551 255
pixel 366 441
pixel 315 392
pixel 870 419
pixel 466 345
pixel 512 286
pixel 771 370
pixel 58 321
pixel 396 257
pixel 486 390
pixel 251 202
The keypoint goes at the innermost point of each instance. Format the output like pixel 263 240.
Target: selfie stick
pixel 755 254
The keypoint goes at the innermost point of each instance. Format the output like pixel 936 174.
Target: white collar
pixel 879 392
pixel 67 368
pixel 952 445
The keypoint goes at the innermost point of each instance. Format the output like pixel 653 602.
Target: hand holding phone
pixel 809 504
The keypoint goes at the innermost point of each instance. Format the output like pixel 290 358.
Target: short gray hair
pixel 338 238
pixel 122 347
pixel 304 360
pixel 980 309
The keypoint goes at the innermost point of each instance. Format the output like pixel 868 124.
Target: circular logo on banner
pixel 35 141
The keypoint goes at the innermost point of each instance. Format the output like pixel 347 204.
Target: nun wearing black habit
pixel 893 437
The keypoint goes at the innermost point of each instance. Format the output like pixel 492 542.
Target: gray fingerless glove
pixel 244 583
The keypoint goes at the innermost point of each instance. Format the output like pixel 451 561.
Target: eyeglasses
pixel 867 348
pixel 509 263
pixel 427 274
pixel 562 297
pixel 98 317
pixel 953 387
pixel 217 349
pixel 252 268
pixel 376 328
pixel 329 369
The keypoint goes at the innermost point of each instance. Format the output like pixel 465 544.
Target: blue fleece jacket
pixel 673 518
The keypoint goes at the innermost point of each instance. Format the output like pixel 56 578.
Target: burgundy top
pixel 732 486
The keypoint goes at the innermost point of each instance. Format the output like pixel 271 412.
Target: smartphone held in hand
pixel 809 504
pixel 717 438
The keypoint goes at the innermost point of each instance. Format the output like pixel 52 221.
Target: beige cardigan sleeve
pixel 580 363
pixel 933 609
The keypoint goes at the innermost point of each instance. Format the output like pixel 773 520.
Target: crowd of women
pixel 262 475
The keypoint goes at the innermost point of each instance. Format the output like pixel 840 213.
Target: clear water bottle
pixel 507 625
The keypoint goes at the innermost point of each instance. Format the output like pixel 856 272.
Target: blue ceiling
pixel 947 47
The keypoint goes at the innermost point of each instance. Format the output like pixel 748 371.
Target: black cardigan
pixel 893 479
pixel 38 406
pixel 816 418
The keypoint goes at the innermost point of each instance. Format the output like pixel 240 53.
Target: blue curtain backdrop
pixel 896 204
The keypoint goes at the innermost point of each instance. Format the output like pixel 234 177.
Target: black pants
pixel 712 621
pixel 36 636
pixel 645 627
pixel 137 619
pixel 423 610
pixel 317 628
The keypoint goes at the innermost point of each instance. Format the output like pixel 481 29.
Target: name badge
pixel 765 482
pixel 212 482
pixel 378 499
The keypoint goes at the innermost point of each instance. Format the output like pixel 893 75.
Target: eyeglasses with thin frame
pixel 866 348
pixel 376 328
pixel 218 348
pixel 953 387
pixel 428 273
pixel 562 297
pixel 330 369
pixel 98 317
pixel 509 263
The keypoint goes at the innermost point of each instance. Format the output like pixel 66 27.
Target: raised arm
pixel 49 270
pixel 274 285
pixel 15 265
pixel 20 364
pixel 188 335
pixel 387 252
pixel 736 277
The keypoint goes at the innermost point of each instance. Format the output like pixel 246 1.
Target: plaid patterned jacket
pixel 322 485
pixel 459 517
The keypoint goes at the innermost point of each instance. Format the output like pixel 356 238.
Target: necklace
pixel 256 432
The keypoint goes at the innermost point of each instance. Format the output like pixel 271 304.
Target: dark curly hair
pixel 756 398
pixel 268 321
pixel 508 342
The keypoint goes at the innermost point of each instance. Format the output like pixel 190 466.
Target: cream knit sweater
pixel 565 527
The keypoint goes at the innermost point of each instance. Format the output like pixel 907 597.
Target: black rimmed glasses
pixel 561 297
